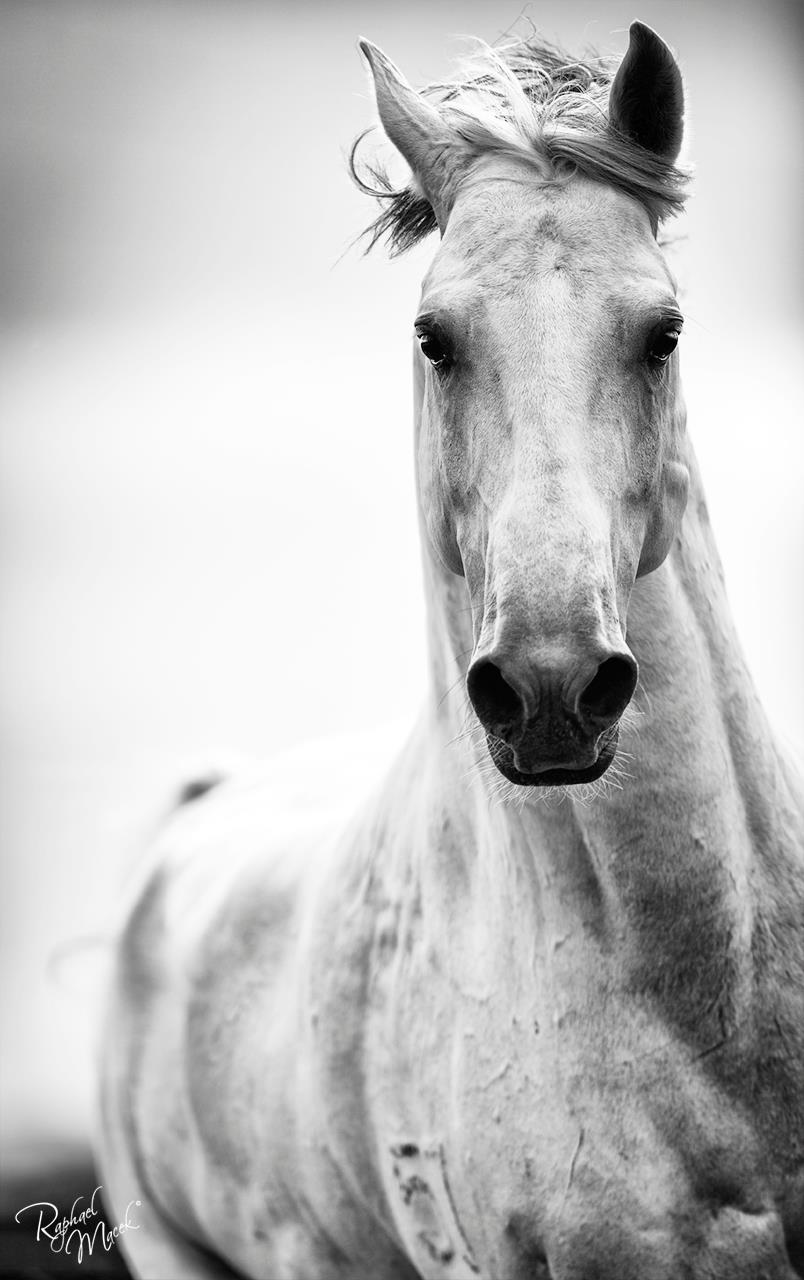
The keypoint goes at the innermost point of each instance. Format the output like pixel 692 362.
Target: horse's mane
pixel 531 100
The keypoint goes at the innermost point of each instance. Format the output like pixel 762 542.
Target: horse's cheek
pixel 665 518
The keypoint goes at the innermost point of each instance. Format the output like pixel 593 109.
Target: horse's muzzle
pixel 552 728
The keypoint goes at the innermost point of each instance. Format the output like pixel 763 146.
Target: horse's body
pixel 461 1033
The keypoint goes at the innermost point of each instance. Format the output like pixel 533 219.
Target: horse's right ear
pixel 416 129
pixel 646 102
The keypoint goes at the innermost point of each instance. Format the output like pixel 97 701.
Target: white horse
pixel 470 1030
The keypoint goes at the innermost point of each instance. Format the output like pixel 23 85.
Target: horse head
pixel 550 453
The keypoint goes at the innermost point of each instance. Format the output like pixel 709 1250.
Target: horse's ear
pixel 646 102
pixel 415 128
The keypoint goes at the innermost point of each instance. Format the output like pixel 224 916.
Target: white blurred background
pixel 209 541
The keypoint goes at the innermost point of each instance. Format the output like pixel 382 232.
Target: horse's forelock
pixel 530 100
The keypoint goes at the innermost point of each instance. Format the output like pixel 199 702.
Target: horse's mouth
pixel 504 758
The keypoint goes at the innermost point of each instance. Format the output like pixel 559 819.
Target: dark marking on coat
pixel 197 787
pixel 437 1252
pixel 467 1256
pixel 410 1186
pixel 404 1150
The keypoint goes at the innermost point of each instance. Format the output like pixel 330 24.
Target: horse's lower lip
pixel 565 776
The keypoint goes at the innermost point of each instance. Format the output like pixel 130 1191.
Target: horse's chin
pixel 503 757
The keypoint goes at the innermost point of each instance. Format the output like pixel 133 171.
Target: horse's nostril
pixel 609 691
pixel 497 704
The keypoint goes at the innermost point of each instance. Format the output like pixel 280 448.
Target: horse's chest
pixel 517 1095
pixel 498 1137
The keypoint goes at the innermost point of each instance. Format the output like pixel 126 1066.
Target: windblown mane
pixel 530 100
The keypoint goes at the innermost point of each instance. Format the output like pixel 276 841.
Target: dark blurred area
pixel 66 1176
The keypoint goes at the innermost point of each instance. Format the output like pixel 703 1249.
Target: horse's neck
pixel 700 735
pixel 672 853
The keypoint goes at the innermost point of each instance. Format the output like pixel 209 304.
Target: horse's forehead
pixel 507 229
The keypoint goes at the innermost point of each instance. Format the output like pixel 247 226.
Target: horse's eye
pixel 662 346
pixel 433 349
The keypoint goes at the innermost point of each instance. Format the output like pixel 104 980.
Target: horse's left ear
pixel 646 102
